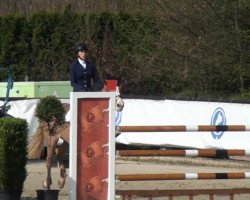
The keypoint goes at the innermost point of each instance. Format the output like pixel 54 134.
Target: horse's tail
pixel 36 144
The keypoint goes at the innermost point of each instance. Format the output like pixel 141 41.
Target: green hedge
pixel 190 52
pixel 41 46
pixel 13 154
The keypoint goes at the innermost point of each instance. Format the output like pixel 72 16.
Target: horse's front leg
pixel 60 152
pixel 51 146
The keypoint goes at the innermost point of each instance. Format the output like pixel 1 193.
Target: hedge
pixel 13 153
pixel 158 55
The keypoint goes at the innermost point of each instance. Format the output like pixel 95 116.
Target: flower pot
pixel 10 195
pixel 4 195
pixel 47 194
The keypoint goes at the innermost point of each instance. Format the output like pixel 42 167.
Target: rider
pixel 82 71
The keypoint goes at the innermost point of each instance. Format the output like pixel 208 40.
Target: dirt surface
pixel 37 172
pixel 34 180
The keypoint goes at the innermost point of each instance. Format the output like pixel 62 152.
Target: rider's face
pixel 82 55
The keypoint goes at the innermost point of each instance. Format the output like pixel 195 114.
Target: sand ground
pixel 37 171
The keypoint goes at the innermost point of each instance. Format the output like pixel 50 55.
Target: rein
pixel 52 129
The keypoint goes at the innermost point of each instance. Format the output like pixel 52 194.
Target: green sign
pixel 60 89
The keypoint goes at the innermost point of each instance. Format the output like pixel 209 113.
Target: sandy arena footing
pixel 37 173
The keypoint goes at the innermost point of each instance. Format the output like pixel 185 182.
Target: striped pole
pixel 191 153
pixel 183 128
pixel 192 192
pixel 182 176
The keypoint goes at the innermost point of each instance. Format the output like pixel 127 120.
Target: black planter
pixel 10 195
pixel 47 194
pixel 4 195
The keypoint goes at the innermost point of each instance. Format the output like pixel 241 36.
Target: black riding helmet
pixel 81 47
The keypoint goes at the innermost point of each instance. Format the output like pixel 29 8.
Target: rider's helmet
pixel 81 47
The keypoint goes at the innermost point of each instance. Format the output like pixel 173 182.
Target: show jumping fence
pixel 190 128
pixel 130 194
pixel 192 153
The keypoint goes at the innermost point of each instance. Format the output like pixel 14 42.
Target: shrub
pixel 49 107
pixel 13 155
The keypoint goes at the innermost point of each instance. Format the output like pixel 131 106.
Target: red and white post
pixel 92 145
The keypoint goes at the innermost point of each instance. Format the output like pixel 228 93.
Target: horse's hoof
pixel 61 183
pixel 46 184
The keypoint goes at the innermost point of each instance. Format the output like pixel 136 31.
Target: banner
pixel 172 112
pixel 167 112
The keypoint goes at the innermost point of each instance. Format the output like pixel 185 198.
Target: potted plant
pixel 49 107
pixel 49 110
pixel 13 157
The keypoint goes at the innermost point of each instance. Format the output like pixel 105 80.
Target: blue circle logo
pixel 218 119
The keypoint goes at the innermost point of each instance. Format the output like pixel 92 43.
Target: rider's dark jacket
pixel 80 78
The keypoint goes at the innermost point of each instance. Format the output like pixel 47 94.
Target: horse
pixel 49 133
